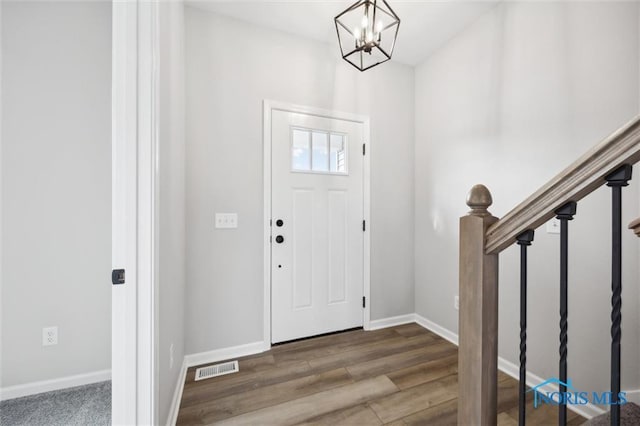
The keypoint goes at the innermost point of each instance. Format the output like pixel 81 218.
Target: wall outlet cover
pixel 49 336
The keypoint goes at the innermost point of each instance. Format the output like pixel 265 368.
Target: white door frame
pixel 134 207
pixel 268 107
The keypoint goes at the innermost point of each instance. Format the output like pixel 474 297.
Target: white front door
pixel 317 257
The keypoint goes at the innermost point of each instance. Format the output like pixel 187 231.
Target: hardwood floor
pixel 402 375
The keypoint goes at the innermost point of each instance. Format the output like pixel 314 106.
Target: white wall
pixel 637 401
pixel 56 188
pixel 171 213
pixel 231 68
pixel 1 188
pixel 510 102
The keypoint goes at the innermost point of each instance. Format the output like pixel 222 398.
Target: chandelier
pixel 367 32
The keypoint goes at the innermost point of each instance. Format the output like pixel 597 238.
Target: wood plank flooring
pixel 402 375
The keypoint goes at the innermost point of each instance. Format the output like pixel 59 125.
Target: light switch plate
pixel 553 226
pixel 226 220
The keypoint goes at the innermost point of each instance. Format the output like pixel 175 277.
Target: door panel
pixel 302 247
pixel 337 228
pixel 317 253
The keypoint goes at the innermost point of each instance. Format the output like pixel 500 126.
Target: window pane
pixel 337 154
pixel 320 157
pixel 301 154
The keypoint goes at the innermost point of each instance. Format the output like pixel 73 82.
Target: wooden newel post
pixel 478 319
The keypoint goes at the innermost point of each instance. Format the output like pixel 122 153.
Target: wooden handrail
pixel 574 183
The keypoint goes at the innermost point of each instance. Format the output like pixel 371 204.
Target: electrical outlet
pixel 553 226
pixel 456 302
pixel 49 336
pixel 171 356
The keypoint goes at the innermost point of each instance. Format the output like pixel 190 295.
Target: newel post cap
pixel 479 199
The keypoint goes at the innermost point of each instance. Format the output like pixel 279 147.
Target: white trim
pixel 268 107
pixel 134 225
pixel 318 112
pixel 148 36
pixel 437 329
pixel 33 388
pixel 392 321
pixel 367 217
pixel 588 411
pixel 124 211
pixel 224 354
pixel 266 238
pixel 1 197
pixel 177 395
pixel 633 396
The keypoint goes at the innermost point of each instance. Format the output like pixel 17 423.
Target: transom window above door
pixel 318 151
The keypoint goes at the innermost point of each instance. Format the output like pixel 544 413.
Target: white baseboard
pixel 225 353
pixel 588 410
pixel 177 395
pixel 391 321
pixel 205 358
pixel 634 396
pixel 33 388
pixel 439 330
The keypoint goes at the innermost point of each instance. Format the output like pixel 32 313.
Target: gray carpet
pixel 629 416
pixel 82 405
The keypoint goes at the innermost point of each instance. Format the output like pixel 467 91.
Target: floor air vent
pixel 217 370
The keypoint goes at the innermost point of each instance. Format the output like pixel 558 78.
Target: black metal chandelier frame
pixel 373 44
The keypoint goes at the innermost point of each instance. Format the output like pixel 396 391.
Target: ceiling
pixel 425 24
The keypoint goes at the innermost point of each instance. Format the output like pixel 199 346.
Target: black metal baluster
pixel 616 181
pixel 524 240
pixel 564 214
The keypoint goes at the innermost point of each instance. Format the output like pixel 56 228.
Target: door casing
pixel 135 49
pixel 268 107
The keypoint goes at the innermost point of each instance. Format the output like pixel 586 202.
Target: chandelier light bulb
pixel 357 35
pixel 379 27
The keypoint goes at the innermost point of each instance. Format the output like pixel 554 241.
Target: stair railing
pixel 483 237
